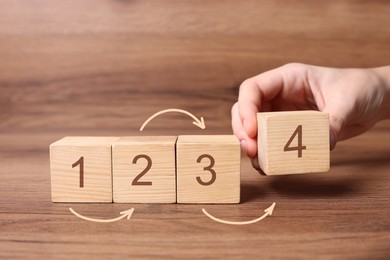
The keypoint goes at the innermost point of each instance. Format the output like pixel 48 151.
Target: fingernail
pixel 243 145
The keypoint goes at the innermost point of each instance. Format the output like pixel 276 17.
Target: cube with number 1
pixel 81 169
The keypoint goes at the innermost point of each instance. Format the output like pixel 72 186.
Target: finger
pixel 335 128
pixel 251 147
pixel 237 126
pixel 257 91
pixel 249 101
pixel 248 145
pixel 338 113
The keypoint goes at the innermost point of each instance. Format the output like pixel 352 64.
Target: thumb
pixel 336 125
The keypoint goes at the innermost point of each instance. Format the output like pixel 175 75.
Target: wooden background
pixel 102 67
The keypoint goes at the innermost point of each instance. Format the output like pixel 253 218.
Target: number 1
pixel 81 163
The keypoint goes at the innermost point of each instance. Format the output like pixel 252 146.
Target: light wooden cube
pixel 208 169
pixel 144 169
pixel 81 169
pixel 293 142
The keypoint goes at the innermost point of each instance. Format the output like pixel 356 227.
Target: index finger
pixel 254 92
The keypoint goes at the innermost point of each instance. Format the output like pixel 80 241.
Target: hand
pixel 354 98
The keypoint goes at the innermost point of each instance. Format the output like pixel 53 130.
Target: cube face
pixel 144 169
pixel 81 169
pixel 293 142
pixel 208 169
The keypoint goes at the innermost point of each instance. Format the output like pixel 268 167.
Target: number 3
pixel 208 168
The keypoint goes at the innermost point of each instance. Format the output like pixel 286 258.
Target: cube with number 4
pixel 81 169
pixel 144 169
pixel 208 169
pixel 293 142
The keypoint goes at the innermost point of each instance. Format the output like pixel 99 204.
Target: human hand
pixel 355 99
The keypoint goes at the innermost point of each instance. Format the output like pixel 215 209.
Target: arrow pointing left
pixel 124 214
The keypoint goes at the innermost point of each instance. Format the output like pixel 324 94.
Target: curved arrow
pixel 267 211
pixel 198 122
pixel 126 213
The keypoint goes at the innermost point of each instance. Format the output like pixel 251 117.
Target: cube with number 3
pixel 293 142
pixel 208 169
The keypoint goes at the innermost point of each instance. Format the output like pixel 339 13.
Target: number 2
pixel 208 168
pixel 147 168
pixel 81 171
pixel 298 148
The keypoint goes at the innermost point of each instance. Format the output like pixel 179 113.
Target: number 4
pixel 298 148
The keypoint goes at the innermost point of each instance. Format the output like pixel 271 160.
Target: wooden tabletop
pixel 76 68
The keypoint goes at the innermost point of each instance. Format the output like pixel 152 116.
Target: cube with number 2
pixel 144 169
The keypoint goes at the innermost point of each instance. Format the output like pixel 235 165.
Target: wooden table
pixel 77 68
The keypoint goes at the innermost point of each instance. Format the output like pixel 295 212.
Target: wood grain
pixel 208 169
pixel 293 142
pixel 82 68
pixel 154 157
pixel 80 169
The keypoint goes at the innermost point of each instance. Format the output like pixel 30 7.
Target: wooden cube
pixel 81 169
pixel 208 169
pixel 144 169
pixel 293 142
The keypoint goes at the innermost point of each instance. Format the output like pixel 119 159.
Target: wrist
pixel 383 74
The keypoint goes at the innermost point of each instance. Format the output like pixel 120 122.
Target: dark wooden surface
pixel 102 67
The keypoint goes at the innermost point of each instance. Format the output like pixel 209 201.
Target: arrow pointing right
pixel 124 214
pixel 268 212
pixel 198 122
